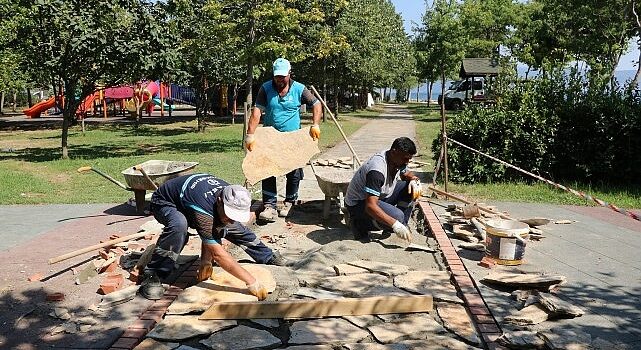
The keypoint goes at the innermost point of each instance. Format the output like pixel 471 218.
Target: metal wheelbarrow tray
pixel 334 184
pixel 147 176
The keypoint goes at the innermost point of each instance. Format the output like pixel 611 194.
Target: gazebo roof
pixel 479 67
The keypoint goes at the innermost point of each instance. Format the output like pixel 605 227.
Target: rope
pixel 575 192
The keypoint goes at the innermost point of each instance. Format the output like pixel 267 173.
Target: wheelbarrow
pixel 334 184
pixel 147 176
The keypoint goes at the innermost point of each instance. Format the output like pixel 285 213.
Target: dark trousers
pixel 398 205
pixel 291 188
pixel 174 236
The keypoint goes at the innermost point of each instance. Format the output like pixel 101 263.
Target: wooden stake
pixel 485 209
pixel 96 247
pixel 319 308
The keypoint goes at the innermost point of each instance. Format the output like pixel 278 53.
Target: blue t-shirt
pixel 283 112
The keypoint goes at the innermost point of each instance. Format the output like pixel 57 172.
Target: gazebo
pixel 486 68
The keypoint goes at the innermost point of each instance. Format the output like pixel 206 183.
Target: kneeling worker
pixel 382 192
pixel 215 209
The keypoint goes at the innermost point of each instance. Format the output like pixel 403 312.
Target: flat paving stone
pixel 355 285
pixel 380 267
pixel 435 283
pixel 151 344
pixel 240 338
pixel 415 326
pixel 328 330
pixel 184 327
pixel 456 319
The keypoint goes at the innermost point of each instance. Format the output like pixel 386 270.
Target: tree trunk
pixel 68 113
pixel 13 105
pixel 29 101
pixel 418 87
pixel 384 93
pixel 234 103
pixel 637 75
pixel 429 92
pixel 1 102
pixel 324 86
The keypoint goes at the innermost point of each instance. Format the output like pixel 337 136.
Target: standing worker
pixel 215 209
pixel 382 193
pixel 280 99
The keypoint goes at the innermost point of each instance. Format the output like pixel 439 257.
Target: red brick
pixel 143 324
pixel 483 319
pixel 104 254
pixel 110 268
pixel 458 268
pixel 473 299
pixel 169 298
pixel 487 262
pixel 112 283
pixel 155 315
pixel 463 279
pixel 148 237
pixel 55 297
pixel 161 304
pixel 458 272
pixel 456 262
pixel 488 328
pixel 173 290
pixel 126 343
pixel 467 289
pixel 134 275
pixel 134 333
pixel 117 251
pixel 480 310
pixel 35 277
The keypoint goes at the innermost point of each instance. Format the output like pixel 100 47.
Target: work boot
pixel 151 288
pixel 269 214
pixel 205 270
pixel 284 211
pixel 278 260
pixel 359 235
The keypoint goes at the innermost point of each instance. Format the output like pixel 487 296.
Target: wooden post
pixel 162 100
pixel 443 131
pixel 104 103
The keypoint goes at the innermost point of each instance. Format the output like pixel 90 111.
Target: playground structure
pixel 135 99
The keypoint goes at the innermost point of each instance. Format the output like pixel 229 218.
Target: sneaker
pixel 205 270
pixel 269 214
pixel 278 260
pixel 151 288
pixel 284 211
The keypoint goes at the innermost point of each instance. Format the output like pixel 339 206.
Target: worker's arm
pixel 375 212
pixel 317 113
pixel 229 264
pixel 254 120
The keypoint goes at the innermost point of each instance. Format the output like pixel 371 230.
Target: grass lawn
pixel 428 126
pixel 33 173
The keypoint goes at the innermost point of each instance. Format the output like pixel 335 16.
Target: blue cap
pixel 281 67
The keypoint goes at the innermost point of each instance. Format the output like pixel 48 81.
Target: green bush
pixel 558 126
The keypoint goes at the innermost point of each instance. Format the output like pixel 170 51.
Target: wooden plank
pixel 320 308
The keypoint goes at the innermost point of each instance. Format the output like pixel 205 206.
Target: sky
pixel 412 11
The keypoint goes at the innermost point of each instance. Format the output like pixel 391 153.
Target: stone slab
pixel 328 330
pixel 435 283
pixel 347 270
pixel 529 315
pixel 380 267
pixel 240 338
pixel 266 159
pixel 566 339
pixel 416 326
pixel 456 319
pixel 355 285
pixel 179 328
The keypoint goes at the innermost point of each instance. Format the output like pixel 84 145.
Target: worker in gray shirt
pixel 382 193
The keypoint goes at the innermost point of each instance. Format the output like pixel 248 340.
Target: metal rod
pixel 575 192
pixel 349 145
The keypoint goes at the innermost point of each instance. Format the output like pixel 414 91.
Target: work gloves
pixel 249 141
pixel 314 132
pixel 414 188
pixel 204 272
pixel 258 290
pixel 402 231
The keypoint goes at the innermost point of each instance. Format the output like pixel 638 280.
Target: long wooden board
pixel 319 308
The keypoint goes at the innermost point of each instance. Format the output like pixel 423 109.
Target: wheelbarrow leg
pixel 139 195
pixel 326 206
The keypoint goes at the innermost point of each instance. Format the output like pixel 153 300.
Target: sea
pixel 621 75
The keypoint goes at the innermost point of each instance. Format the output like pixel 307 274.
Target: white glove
pixel 415 189
pixel 401 231
pixel 249 141
pixel 257 290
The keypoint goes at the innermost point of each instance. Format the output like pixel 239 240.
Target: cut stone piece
pixel 151 344
pixel 425 248
pixel 456 319
pixel 472 246
pixel 222 287
pixel 533 314
pixel 363 320
pixel 354 285
pixel 179 328
pixel 241 337
pixel 328 330
pixel 519 280
pixel 521 340
pixel 438 342
pixel 309 347
pixel 118 297
pixel 566 339
pixel 266 322
pixel 346 270
pixel 266 159
pixel 375 346
pixel 535 221
pixel 435 283
pixel 559 307
pixel 416 326
pixel 380 267
pixel 385 290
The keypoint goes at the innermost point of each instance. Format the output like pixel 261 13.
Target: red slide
pixel 35 110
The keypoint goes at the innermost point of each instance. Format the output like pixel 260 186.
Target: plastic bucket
pixel 505 241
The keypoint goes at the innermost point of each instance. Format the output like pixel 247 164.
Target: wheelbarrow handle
pixel 144 173
pixel 88 168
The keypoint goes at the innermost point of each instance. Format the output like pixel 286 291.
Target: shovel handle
pixel 84 168
pixel 144 173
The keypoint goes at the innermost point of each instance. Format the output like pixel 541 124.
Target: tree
pixel 83 43
pixel 488 26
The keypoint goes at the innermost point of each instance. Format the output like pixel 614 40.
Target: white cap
pixel 236 202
